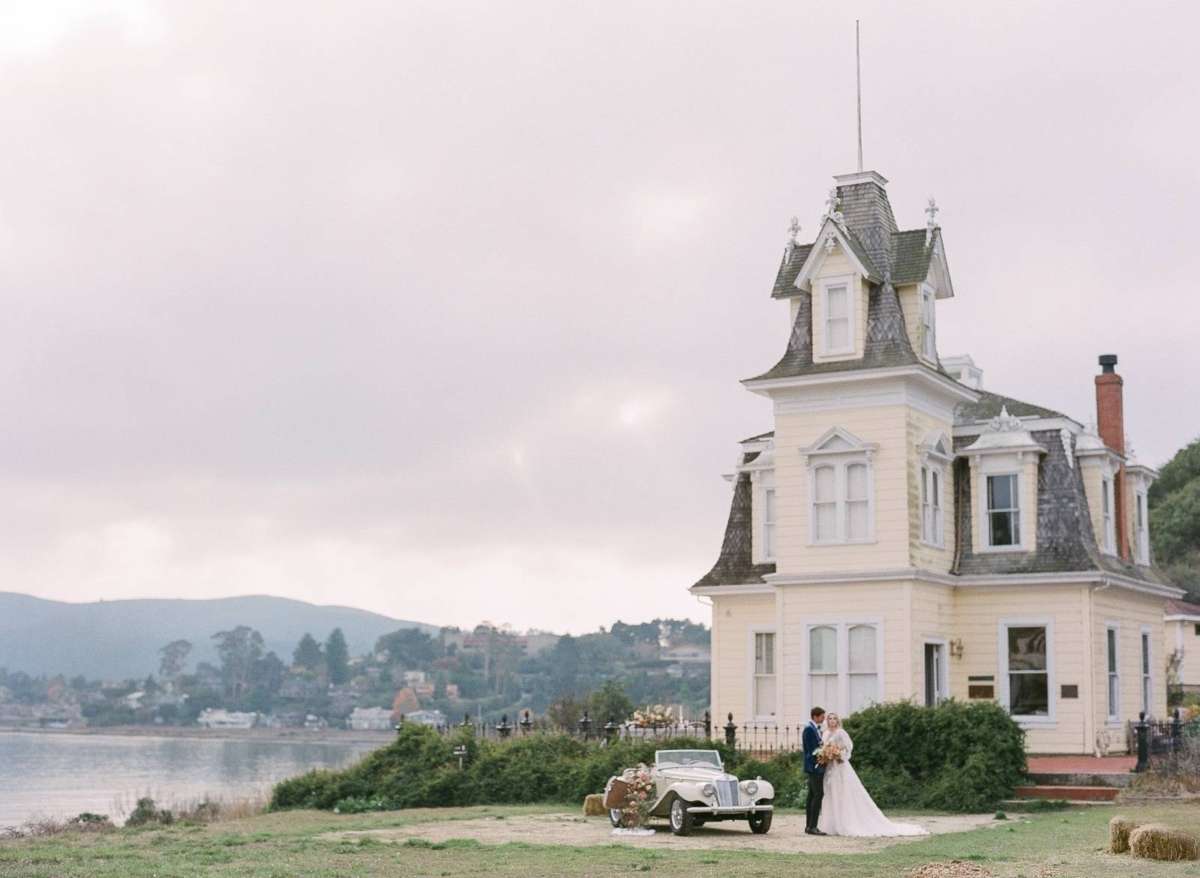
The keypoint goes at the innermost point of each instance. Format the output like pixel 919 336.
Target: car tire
pixel 616 817
pixel 681 817
pixel 760 822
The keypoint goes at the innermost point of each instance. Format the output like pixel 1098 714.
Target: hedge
pixel 955 757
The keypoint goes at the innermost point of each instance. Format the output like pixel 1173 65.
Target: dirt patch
pixel 786 835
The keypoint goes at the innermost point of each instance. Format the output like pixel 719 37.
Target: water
pixel 49 775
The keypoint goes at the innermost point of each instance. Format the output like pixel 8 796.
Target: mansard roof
pixel 735 565
pixel 989 405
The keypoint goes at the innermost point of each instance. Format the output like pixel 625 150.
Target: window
pixel 841 492
pixel 928 336
pixel 844 665
pixel 825 504
pixel 823 667
pixel 1114 674
pixel 769 524
pixel 857 511
pixel 864 667
pixel 1106 507
pixel 931 506
pixel 764 674
pixel 1027 671
pixel 1003 511
pixel 1143 535
pixel 1147 682
pixel 838 316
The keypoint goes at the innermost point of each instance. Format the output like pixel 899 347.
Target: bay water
pixel 62 775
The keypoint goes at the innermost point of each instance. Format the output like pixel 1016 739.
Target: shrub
pixel 955 757
pixel 146 812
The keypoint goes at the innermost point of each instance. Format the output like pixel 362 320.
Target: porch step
pixel 1069 793
pixel 1080 779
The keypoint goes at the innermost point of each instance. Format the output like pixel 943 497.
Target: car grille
pixel 728 794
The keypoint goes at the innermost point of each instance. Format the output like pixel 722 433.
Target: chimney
pixel 1110 421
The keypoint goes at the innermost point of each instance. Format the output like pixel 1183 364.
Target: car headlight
pixel 752 788
pixel 709 790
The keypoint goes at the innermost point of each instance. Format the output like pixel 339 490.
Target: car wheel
pixel 760 822
pixel 616 817
pixel 681 818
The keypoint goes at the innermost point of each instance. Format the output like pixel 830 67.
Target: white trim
pixel 928 297
pixel 770 547
pixel 818 253
pixel 749 588
pixel 1114 719
pixel 932 525
pixel 984 523
pixel 765 386
pixel 853 294
pixel 1028 422
pixel 842 624
pixel 1049 721
pixel 1108 513
pixel 944 675
pixel 752 702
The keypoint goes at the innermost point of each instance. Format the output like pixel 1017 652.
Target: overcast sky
pixel 439 309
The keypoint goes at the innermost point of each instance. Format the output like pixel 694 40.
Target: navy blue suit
pixel 811 741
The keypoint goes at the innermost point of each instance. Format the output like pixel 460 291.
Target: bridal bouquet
pixel 828 753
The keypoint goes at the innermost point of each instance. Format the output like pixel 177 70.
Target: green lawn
pixel 1059 844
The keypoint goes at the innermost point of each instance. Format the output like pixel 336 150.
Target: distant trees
pixel 308 654
pixel 239 651
pixel 337 657
pixel 1175 519
pixel 172 661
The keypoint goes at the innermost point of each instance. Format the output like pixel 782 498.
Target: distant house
pixel 1183 642
pixel 414 678
pixel 687 654
pixel 434 718
pixel 133 700
pixel 369 719
pixel 226 719
pixel 299 688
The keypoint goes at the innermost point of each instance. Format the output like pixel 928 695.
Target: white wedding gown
pixel 848 808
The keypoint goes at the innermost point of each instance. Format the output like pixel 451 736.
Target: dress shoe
pixel 814 832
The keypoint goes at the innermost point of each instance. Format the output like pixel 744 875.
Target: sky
pixel 440 309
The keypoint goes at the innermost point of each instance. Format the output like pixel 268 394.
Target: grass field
pixel 1058 844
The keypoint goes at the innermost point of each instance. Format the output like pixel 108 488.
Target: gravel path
pixel 786 835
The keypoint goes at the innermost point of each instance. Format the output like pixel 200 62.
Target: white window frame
pixel 985 522
pixel 847 451
pixel 770 523
pixel 1112 678
pixel 1107 514
pixel 1031 721
pixel 850 282
pixel 1142 527
pixel 928 323
pixel 842 626
pixel 944 671
pixel 1146 667
pixel 933 504
pixel 752 706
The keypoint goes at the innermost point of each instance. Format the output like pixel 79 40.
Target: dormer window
pixel 1106 507
pixel 769 524
pixel 1142 533
pixel 841 494
pixel 837 316
pixel 1004 475
pixel 935 458
pixel 1004 510
pixel 928 332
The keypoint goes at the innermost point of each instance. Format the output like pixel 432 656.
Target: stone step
pixel 1080 779
pixel 1069 793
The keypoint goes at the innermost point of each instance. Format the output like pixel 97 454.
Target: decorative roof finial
pixel 931 210
pixel 793 231
pixel 1004 422
pixel 831 207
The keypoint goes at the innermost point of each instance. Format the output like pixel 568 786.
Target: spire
pixel 858 83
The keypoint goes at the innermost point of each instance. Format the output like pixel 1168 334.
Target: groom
pixel 811 739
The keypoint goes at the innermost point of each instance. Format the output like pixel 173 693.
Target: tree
pixel 610 700
pixel 337 657
pixel 239 650
pixel 1175 519
pixel 173 661
pixel 308 653
pixel 410 648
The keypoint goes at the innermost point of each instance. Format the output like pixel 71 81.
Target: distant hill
pixel 121 639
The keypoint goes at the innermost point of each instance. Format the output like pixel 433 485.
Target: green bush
pixel 146 812
pixel 955 757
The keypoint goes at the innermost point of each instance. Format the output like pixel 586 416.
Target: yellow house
pixel 903 533
pixel 1182 643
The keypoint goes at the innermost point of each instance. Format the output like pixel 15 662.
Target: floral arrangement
pixel 658 715
pixel 828 753
pixel 639 799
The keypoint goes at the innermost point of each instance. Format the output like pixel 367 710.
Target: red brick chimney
pixel 1110 421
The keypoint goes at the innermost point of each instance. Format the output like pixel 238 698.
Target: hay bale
pixel 1118 834
pixel 1153 842
pixel 593 806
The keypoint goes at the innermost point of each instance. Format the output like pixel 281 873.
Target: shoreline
pixel 307 736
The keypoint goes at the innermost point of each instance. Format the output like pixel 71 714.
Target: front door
pixel 935 673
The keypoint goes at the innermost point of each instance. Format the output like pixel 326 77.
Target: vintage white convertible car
pixel 691 788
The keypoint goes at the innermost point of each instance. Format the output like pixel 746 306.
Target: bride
pixel 849 809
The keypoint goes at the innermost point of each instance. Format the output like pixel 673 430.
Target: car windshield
pixel 707 758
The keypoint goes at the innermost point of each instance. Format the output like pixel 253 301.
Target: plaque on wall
pixel 1070 691
pixel 981 691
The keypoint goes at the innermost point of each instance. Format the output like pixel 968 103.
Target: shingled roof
pixel 988 406
pixel 735 565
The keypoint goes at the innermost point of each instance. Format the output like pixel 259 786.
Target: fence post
pixel 730 731
pixel 1143 744
pixel 504 728
pixel 610 728
pixel 707 726
pixel 585 726
pixel 1176 731
pixel 526 723
pixel 466 723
